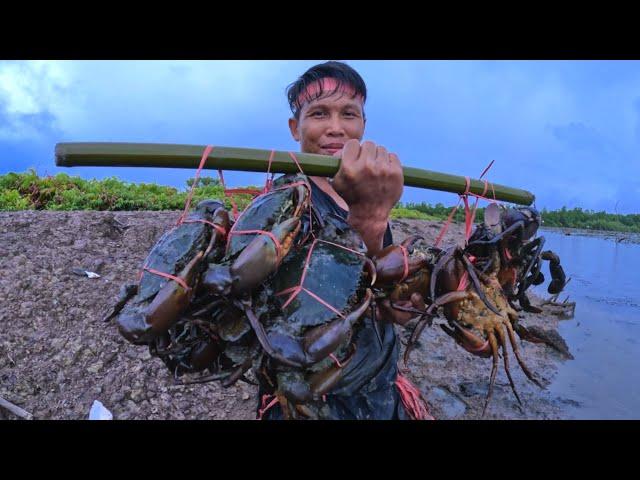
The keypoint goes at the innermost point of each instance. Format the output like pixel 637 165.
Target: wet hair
pixel 343 73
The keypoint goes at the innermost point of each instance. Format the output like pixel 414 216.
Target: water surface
pixel 604 335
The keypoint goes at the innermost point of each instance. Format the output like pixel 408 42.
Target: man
pixel 327 103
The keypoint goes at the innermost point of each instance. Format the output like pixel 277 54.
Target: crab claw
pixel 392 263
pixel 320 341
pixel 324 381
pixel 317 344
pixel 261 257
pixel 370 268
pixel 217 279
pixel 143 326
pixel 127 292
pixel 558 277
pixel 468 340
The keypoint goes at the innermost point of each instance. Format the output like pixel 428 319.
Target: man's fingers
pixel 368 150
pixel 381 154
pixel 349 156
pixel 381 162
pixel 351 150
pixel 396 167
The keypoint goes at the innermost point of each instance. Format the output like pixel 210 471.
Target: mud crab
pixel 305 317
pixel 505 242
pixel 282 291
pixel 477 311
pixel 149 308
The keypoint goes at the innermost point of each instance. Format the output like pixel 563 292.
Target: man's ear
pixel 293 126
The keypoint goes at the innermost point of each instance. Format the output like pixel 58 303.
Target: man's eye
pixel 349 114
pixel 316 114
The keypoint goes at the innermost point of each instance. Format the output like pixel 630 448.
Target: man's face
pixel 325 124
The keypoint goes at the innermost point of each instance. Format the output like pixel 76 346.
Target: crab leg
pixel 469 341
pixel 428 315
pixel 237 373
pixel 476 283
pixel 440 264
pixel 374 323
pixel 516 352
pixel 263 338
pixel 208 378
pixel 505 355
pixel 424 319
pixel 494 369
pixel 539 243
pixel 500 236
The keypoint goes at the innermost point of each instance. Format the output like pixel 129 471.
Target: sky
pixel 567 131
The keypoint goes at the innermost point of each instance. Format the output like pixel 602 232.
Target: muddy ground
pixel 57 356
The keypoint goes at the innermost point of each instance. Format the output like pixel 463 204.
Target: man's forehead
pixel 334 99
pixel 327 88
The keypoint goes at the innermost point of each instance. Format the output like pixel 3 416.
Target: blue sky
pixel 568 131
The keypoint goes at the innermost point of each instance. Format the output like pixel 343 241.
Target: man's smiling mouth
pixel 332 147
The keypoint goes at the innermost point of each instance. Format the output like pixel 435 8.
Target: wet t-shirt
pixel 367 389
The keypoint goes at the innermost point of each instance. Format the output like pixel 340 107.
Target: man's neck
pixel 324 185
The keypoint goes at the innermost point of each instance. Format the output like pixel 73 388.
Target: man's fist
pixel 369 180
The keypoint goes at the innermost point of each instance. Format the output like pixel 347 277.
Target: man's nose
pixel 335 126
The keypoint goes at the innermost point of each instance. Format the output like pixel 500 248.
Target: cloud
pixel 558 129
pixel 141 100
pixel 29 95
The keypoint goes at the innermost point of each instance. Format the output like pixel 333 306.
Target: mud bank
pixel 57 357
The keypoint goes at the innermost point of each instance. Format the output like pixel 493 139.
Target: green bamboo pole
pixel 254 160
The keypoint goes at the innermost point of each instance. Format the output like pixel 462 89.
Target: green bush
pixel 11 200
pixel 28 191
pixel 440 212
pixel 407 213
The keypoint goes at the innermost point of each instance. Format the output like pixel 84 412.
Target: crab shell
pixel 318 321
pixel 159 301
pixel 306 331
pixel 251 257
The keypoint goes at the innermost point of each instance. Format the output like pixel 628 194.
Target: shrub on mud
pixel 28 191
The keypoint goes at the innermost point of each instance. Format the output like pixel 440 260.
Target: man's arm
pixel 370 181
pixel 372 233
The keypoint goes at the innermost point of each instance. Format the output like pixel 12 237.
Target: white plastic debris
pixel 84 273
pixel 99 412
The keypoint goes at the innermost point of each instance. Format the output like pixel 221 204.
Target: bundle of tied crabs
pixel 281 291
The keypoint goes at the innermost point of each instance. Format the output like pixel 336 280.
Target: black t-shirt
pixel 367 389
